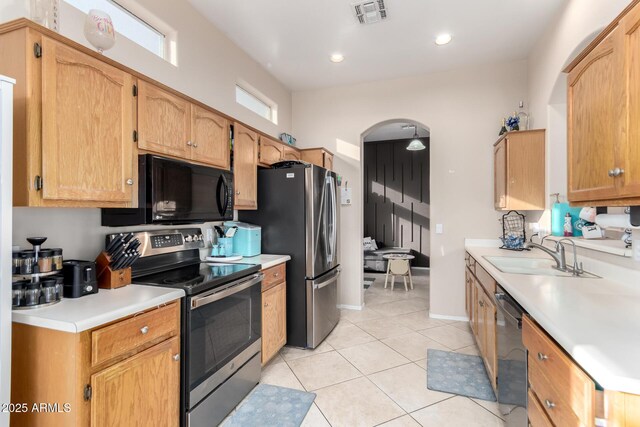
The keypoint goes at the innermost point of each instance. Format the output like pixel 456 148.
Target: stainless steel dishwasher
pixel 512 360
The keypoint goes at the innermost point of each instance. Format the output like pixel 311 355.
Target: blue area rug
pixel 272 406
pixel 458 374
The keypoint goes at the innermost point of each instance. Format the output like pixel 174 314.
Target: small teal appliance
pixel 247 240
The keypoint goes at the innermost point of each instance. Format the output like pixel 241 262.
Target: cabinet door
pixel 87 127
pixel 596 125
pixel 630 146
pixel 490 350
pixel 500 174
pixel 468 283
pixel 245 167
pixel 291 154
pixel 163 122
pixel 270 151
pixel 328 160
pixel 274 326
pixel 143 390
pixel 209 138
pixel 314 156
pixel 475 309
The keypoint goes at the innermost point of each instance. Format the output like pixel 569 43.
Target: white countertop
pixel 596 321
pixel 80 314
pixel 265 260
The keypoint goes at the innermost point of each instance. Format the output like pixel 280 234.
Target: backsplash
pixel 76 230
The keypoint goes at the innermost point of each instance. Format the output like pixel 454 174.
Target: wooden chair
pixel 398 267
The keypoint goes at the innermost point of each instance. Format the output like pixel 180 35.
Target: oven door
pixel 224 327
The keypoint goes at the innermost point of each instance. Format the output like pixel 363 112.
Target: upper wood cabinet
pixel 595 114
pixel 73 125
pixel 271 151
pixel 209 138
pixel 164 122
pixel 245 167
pixel 603 102
pixel 290 153
pixel 318 156
pixel 519 171
pixel 172 126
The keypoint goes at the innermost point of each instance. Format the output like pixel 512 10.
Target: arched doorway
pixel 395 166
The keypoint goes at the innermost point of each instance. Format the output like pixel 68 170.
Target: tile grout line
pixel 500 418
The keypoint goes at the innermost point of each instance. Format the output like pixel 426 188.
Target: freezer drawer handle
pixel 327 282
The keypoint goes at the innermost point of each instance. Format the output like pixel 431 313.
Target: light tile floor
pixel 371 370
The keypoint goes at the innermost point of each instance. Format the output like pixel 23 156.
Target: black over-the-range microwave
pixel 175 192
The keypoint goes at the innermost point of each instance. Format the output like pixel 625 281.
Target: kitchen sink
pixel 531 266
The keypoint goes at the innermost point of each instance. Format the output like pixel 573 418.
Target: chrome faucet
pixel 557 255
pixel 577 268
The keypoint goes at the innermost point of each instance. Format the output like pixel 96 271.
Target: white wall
pixel 209 65
pixel 463 110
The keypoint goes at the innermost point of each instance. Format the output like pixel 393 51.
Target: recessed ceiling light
pixel 443 39
pixel 337 57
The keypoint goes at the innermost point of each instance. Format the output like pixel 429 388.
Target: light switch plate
pixel 439 228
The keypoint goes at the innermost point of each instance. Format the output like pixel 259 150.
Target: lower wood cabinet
pixel 274 311
pixel 482 312
pixel 135 383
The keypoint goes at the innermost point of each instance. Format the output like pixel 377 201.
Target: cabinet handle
pixel 542 356
pixel 195 145
pixel 481 303
pixel 276 274
pixel 237 192
pixel 144 330
pixel 615 172
pixel 176 357
pixel 189 143
pixel 266 305
pixel 549 404
pixel 130 181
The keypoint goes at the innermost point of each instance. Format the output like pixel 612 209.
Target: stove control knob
pixel 187 238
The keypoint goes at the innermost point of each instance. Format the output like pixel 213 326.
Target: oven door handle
pixel 232 288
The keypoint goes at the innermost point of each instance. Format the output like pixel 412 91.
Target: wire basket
pixel 514 235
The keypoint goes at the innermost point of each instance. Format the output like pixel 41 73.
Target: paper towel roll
pixel 613 221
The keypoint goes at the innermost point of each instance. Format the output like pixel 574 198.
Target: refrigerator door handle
pixel 334 218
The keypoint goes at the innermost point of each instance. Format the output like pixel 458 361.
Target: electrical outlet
pixel 439 229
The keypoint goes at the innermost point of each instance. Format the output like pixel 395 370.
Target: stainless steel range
pixel 221 321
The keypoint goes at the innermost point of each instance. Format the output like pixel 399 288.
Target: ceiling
pixel 393 131
pixel 293 39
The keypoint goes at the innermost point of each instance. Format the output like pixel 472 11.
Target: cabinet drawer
pixel 535 412
pixel 273 276
pixel 135 333
pixel 485 279
pixel 547 360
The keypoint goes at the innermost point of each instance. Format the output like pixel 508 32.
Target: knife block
pixel 109 278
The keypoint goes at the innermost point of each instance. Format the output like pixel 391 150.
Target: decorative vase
pixel 98 29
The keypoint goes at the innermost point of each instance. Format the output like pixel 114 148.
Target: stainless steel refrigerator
pixel 299 213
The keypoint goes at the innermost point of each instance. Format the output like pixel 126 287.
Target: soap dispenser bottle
pixel 568 225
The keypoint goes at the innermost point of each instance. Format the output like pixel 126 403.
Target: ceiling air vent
pixel 370 12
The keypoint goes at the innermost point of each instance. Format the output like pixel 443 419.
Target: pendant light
pixel 415 144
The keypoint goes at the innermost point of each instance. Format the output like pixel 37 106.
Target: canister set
pixel 37 280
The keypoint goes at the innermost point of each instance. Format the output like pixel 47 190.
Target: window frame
pixel 259 97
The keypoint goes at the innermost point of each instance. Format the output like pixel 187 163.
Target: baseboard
pixel 350 307
pixel 445 317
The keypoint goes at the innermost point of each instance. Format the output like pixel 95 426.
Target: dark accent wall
pixel 396 196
